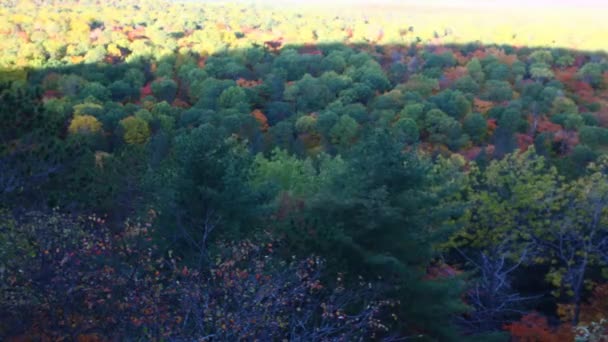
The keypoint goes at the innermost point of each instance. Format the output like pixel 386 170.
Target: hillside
pixel 181 171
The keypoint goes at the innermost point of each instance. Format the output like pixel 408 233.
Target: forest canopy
pixel 180 171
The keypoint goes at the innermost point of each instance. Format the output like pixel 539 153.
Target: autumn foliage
pixel 534 327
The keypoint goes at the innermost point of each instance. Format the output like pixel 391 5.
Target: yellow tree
pixel 136 130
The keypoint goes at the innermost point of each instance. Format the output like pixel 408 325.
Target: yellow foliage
pixel 84 124
pixel 113 50
pixel 136 130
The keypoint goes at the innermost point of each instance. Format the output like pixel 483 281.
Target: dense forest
pixel 187 171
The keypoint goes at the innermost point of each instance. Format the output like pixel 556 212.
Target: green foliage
pixel 344 131
pixel 593 136
pixel 498 91
pixel 592 74
pixel 475 70
pixel 422 85
pixel 453 103
pixel 361 154
pixel 406 130
pixel 379 196
pixel 444 129
pixel 233 97
pixel 308 94
pixel 164 89
pixel 475 126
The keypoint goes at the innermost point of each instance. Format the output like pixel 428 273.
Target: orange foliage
pixel 180 103
pixel 566 75
pixel 502 56
pixel 462 60
pixel 482 106
pixel 76 59
pixel 545 125
pixel 24 36
pixel 261 119
pixel 535 328
pixel 480 53
pixel 136 33
pixel 584 90
pixel 452 74
pixel 241 82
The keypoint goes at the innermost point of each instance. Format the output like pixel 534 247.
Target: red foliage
pixel 597 307
pixel 584 90
pixel 121 285
pixel 51 94
pixel 146 90
pixel 490 149
pixel 349 32
pixel 201 62
pixel 441 271
pixel 569 138
pixel 274 44
pixel 535 328
pixel 480 53
pixel 462 60
pixel 524 141
pixel 310 49
pixel 452 74
pixel 492 125
pixel 471 153
pixel 566 75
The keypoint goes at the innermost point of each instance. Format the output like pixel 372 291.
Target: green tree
pixel 475 126
pixel 164 89
pixel 234 97
pixel 592 74
pixel 498 91
pixel 377 217
pixel 475 70
pixel 453 103
pixel 344 131
pixel 443 129
pixel 406 130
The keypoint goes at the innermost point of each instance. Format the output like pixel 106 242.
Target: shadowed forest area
pixel 210 178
